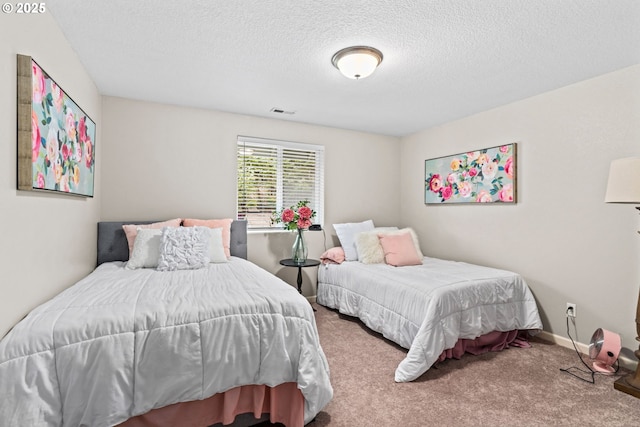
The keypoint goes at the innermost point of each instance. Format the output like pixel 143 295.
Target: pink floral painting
pixel 480 176
pixel 62 139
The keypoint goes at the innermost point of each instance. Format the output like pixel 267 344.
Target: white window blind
pixel 273 175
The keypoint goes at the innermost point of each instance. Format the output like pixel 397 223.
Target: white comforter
pixel 120 343
pixel 427 308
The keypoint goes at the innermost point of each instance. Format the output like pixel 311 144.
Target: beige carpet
pixel 515 387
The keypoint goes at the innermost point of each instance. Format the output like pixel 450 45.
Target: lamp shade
pixel 624 181
pixel 357 62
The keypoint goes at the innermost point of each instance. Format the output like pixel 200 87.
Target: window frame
pixel 281 145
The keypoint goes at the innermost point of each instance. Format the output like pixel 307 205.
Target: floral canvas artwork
pixel 481 176
pixel 62 139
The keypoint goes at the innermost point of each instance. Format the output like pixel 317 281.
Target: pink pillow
pixel 399 249
pixel 225 224
pixel 333 255
pixel 131 230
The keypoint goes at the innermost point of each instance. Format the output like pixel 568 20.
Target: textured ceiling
pixel 443 60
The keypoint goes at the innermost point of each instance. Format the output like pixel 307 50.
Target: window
pixel 273 175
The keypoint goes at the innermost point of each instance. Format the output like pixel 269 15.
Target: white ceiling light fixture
pixel 357 62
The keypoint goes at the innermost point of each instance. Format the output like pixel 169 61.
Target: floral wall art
pixel 56 139
pixel 481 176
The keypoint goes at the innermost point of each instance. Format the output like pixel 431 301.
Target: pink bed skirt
pixel 284 403
pixel 493 341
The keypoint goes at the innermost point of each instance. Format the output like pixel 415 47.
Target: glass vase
pixel 299 248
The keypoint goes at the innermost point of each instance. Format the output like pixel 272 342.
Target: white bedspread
pixel 120 343
pixel 427 308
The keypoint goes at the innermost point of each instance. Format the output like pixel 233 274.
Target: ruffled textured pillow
pixel 184 248
pixel 225 224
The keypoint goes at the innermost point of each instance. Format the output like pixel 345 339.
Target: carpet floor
pixel 514 387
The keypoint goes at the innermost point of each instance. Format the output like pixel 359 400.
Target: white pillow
pixel 347 235
pixel 369 247
pixel 414 237
pixel 184 248
pixel 216 247
pixel 146 249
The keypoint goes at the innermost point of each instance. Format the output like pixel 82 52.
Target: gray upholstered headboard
pixel 112 242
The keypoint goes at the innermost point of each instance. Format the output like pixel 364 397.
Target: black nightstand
pixel 291 263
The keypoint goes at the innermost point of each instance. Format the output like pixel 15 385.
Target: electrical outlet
pixel 571 309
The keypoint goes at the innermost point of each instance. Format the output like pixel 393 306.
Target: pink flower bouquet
pixel 295 217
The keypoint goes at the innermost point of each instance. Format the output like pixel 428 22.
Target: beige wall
pixel 567 243
pixel 48 240
pixel 161 161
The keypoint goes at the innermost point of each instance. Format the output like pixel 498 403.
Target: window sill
pixel 273 231
pixel 267 230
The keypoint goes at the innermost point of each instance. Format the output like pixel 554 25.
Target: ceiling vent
pixel 281 111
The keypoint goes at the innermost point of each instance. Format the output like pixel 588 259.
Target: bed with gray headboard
pixel 112 242
pixel 144 346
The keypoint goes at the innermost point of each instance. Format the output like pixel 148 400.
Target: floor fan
pixel 604 349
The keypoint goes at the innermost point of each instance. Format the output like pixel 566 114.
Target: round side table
pixel 300 265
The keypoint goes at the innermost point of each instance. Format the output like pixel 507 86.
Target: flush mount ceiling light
pixel 357 62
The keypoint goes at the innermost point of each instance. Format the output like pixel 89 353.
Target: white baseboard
pixel 625 362
pixel 311 299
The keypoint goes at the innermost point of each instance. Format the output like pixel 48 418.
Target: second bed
pixel 429 308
